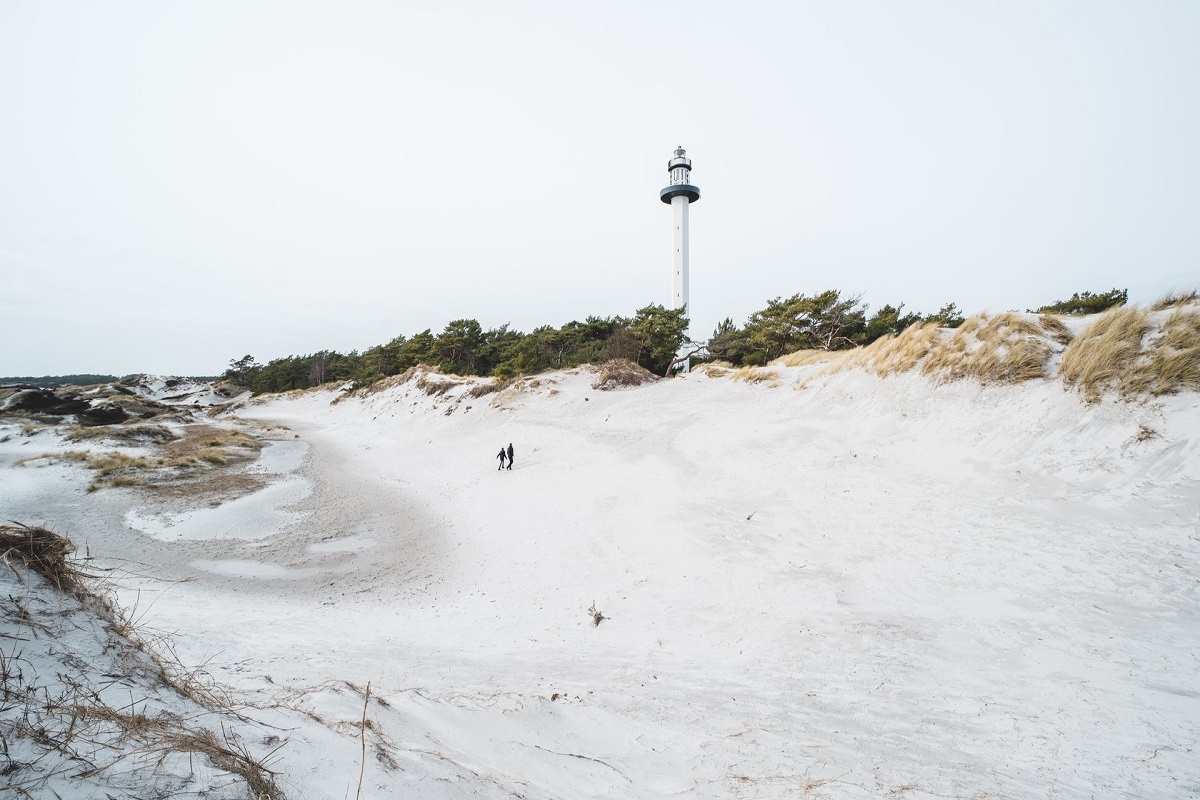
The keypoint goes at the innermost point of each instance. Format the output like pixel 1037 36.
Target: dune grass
pixel 199 448
pixel 134 434
pixel 1055 328
pixel 1174 363
pixel 64 717
pixel 1105 354
pixel 619 373
pixel 1176 300
pixel 802 358
pixel 491 386
pixel 755 375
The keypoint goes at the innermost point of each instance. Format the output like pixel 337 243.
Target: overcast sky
pixel 185 183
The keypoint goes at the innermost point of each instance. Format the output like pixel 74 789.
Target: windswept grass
pixel 491 386
pixel 1055 328
pixel 1174 363
pixel 1005 348
pixel 802 358
pixel 889 354
pixel 1176 300
pixel 63 716
pixel 620 373
pixel 1105 354
pixel 755 375
pixel 199 448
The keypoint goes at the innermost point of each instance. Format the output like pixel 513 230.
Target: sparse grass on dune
pixel 1055 328
pixel 1005 348
pixel 621 372
pixel 1105 354
pixel 802 358
pixel 491 386
pixel 432 386
pixel 138 406
pixel 137 434
pixel 889 354
pixel 199 448
pixel 755 375
pixel 64 718
pixel 1176 300
pixel 1175 360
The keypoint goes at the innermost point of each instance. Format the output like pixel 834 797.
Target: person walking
pixel 501 457
pixel 510 455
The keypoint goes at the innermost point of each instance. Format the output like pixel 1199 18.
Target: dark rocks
pixel 104 414
pixel 44 401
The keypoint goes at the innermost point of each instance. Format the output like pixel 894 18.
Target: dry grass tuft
pixel 139 406
pixel 755 375
pixel 1005 348
pixel 621 372
pixel 802 358
pixel 1105 354
pixel 1176 300
pixel 1056 329
pixel 890 354
pixel 194 453
pixel 385 383
pixel 44 552
pixel 714 369
pixel 134 434
pixel 491 386
pixel 434 387
pixel 67 720
pixel 1174 363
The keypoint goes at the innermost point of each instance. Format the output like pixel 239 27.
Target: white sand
pixel 865 588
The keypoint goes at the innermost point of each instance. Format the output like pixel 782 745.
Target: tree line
pixel 652 338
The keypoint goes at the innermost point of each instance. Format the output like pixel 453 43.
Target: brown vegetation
pixel 66 718
pixel 134 434
pixel 491 386
pixel 188 456
pixel 755 375
pixel 619 373
pixel 1176 300
pixel 1104 355
pixel 1005 348
pixel 1055 328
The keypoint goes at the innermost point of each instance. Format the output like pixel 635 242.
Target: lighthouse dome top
pixel 680 160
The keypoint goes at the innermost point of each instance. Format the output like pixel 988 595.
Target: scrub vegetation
pixel 827 328
pixel 1129 351
pixel 162 462
pixel 67 726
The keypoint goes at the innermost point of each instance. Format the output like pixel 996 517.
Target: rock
pixel 104 414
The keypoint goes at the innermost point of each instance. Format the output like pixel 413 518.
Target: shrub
pixel 621 372
pixel 1087 303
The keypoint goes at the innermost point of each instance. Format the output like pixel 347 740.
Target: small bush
pixel 621 372
pixel 1087 303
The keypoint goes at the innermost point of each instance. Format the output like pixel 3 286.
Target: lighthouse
pixel 679 194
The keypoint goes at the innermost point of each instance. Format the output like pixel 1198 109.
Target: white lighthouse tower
pixel 680 194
